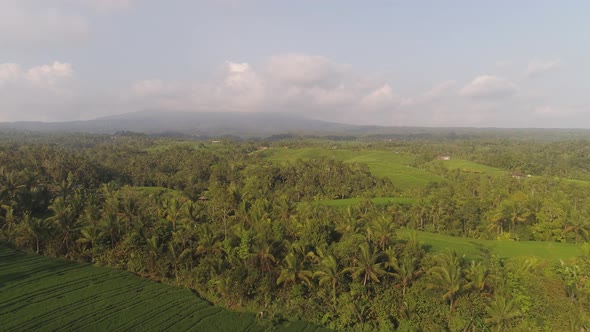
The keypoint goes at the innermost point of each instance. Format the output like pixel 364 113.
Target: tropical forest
pixel 411 232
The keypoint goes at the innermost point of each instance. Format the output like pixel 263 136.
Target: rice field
pixel 551 251
pixel 44 294
pixel 395 166
pixel 471 167
pixel 377 201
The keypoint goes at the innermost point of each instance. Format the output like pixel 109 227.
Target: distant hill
pixel 216 124
pixel 189 123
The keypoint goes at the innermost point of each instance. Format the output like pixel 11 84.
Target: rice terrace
pixel 41 294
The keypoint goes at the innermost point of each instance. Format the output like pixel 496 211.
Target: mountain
pixel 189 123
pixel 216 124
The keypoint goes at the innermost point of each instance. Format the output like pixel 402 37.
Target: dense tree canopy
pixel 251 234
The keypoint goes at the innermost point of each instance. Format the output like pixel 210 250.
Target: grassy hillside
pixel 43 294
pixel 381 163
pixel 552 251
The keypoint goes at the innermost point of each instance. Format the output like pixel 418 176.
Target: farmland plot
pixel 43 294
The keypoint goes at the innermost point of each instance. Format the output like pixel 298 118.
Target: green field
pixel 471 167
pixel 552 251
pixel 381 163
pixel 377 200
pixel 44 294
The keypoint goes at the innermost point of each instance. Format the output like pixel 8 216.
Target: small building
pixel 443 158
pixel 518 175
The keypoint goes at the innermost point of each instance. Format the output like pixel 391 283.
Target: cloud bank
pixel 295 83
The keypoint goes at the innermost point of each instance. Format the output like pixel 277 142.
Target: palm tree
pixel 178 254
pixel 478 275
pixel 406 270
pixel 88 236
pixel 175 211
pixel 207 243
pixel 578 225
pixel 367 265
pixel 513 210
pixel 501 313
pixel 349 223
pixel 447 276
pixel 263 249
pixel 31 231
pixel 381 231
pixel 328 273
pixel 294 270
pixel 9 221
pixel 64 219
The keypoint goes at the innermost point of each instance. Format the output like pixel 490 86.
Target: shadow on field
pixel 13 270
pixel 6 278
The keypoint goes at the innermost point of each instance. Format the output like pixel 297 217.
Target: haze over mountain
pixel 263 125
pixel 189 123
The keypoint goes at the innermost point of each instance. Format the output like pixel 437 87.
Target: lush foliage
pixel 261 235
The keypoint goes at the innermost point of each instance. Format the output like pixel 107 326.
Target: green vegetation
pixel 43 294
pixel 472 248
pixel 471 167
pixel 375 236
pixel 377 201
pixel 390 164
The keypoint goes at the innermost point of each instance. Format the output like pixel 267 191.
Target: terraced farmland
pixel 43 294
pixel 381 163
pixel 551 251
pixel 471 167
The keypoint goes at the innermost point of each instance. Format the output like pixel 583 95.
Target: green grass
pixel 44 294
pixel 377 200
pixel 471 167
pixel 381 163
pixel 551 251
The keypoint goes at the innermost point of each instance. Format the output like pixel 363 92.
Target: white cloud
pixel 48 76
pixel 380 99
pixel 9 72
pixel 333 93
pixel 551 111
pixel 488 87
pixel 304 70
pixel 37 92
pixel 25 25
pixel 242 88
pixel 540 67
pixel 308 84
pixel 441 90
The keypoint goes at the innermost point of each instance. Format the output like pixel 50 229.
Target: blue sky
pixel 425 63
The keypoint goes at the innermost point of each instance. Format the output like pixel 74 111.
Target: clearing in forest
pixel 393 165
pixel 472 167
pixel 471 248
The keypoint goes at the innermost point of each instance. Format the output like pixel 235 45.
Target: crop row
pixel 44 294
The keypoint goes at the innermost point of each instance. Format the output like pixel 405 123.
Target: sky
pixel 396 63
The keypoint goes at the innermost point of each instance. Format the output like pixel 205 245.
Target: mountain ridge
pixel 193 123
